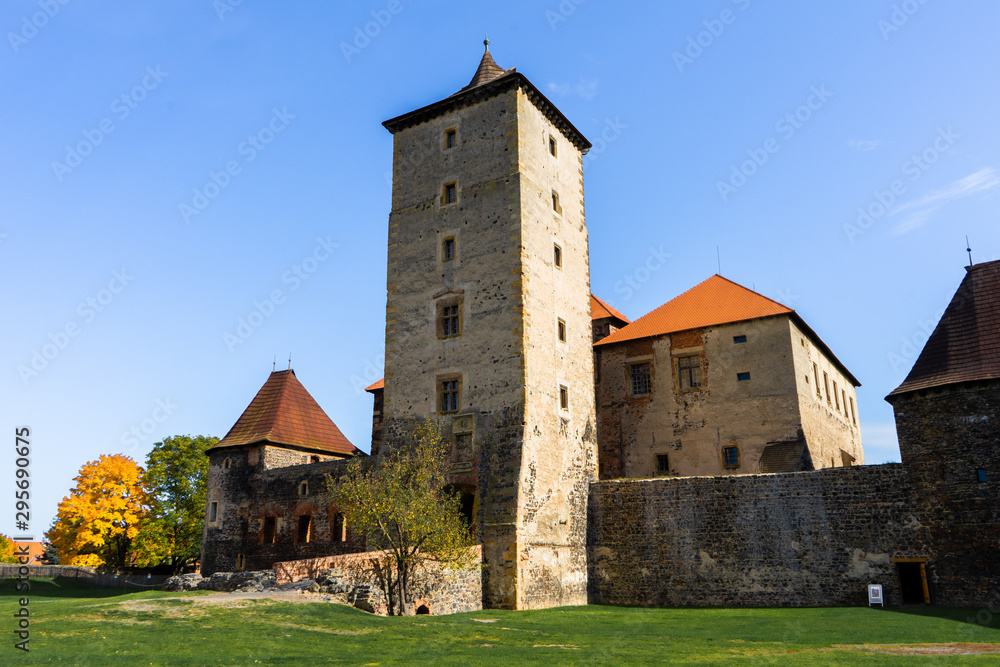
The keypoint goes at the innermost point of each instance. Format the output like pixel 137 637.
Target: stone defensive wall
pixel 795 539
pixel 440 589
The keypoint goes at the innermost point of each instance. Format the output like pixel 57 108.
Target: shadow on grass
pixel 971 615
pixel 60 587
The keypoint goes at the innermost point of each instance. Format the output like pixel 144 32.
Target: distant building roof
pixel 965 345
pixel 599 309
pixel 791 456
pixel 376 386
pixel 713 302
pixel 489 81
pixel 283 413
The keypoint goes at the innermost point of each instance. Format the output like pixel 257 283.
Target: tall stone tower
pixel 488 325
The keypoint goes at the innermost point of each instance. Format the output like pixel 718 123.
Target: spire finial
pixel 968 249
pixel 486 42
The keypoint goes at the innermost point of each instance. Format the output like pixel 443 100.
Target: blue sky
pixel 170 169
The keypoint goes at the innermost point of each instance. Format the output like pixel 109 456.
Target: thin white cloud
pixel 981 181
pixel 865 145
pixel 880 442
pixel 585 88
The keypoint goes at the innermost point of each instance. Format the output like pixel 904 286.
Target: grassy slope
pixel 74 624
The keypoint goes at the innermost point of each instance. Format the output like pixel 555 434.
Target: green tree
pixel 401 504
pixel 99 519
pixel 176 477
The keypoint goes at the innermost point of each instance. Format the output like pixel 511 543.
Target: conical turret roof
pixel 284 413
pixel 965 344
pixel 487 71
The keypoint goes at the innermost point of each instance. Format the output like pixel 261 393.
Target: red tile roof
pixel 965 345
pixel 599 309
pixel 715 301
pixel 283 413
pixel 376 386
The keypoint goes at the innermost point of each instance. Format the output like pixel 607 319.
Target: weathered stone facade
pixel 487 184
pixel 795 539
pixel 261 511
pixel 777 404
pixel 439 590
pixel 946 437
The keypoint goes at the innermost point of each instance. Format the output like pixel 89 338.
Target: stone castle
pixel 706 454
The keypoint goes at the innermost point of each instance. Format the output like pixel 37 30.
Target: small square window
pixel 552 145
pixel 731 457
pixel 641 379
pixel 448 398
pixel 561 330
pixel 555 202
pixel 450 138
pixel 662 463
pixel 449 193
pixel 563 397
pixel 742 377
pixel 270 528
pixel 739 339
pixel 981 474
pixel 213 511
pixel 448 249
pixel 557 256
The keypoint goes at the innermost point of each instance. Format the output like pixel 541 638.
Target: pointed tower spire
pixel 488 70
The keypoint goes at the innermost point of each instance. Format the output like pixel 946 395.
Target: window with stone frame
pixel 556 206
pixel 449 193
pixel 449 318
pixel 731 457
pixel 303 488
pixel 448 249
pixel 449 394
pixel 662 464
pixel 563 397
pixel 561 330
pixel 689 373
pixel 552 146
pixel 213 511
pixel 640 379
pixel 450 138
pixel 557 255
pixel 819 393
pixel 270 529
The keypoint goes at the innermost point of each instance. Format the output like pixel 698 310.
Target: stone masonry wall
pixel 796 539
pixel 945 437
pixel 442 590
pixel 248 494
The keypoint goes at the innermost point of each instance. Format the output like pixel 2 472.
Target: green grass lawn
pixel 75 624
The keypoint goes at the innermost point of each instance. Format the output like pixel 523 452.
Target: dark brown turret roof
pixel 487 71
pixel 283 413
pixel 965 345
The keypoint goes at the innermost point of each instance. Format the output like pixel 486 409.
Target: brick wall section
pixel 944 437
pixel 442 590
pixel 797 539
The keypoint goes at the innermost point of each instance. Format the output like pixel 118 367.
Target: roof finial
pixel 289 361
pixel 968 249
pixel 274 363
pixel 486 42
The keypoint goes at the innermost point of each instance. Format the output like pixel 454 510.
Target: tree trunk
pixel 403 605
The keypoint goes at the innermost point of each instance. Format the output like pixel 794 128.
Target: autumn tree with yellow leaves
pixel 99 519
pixel 401 503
